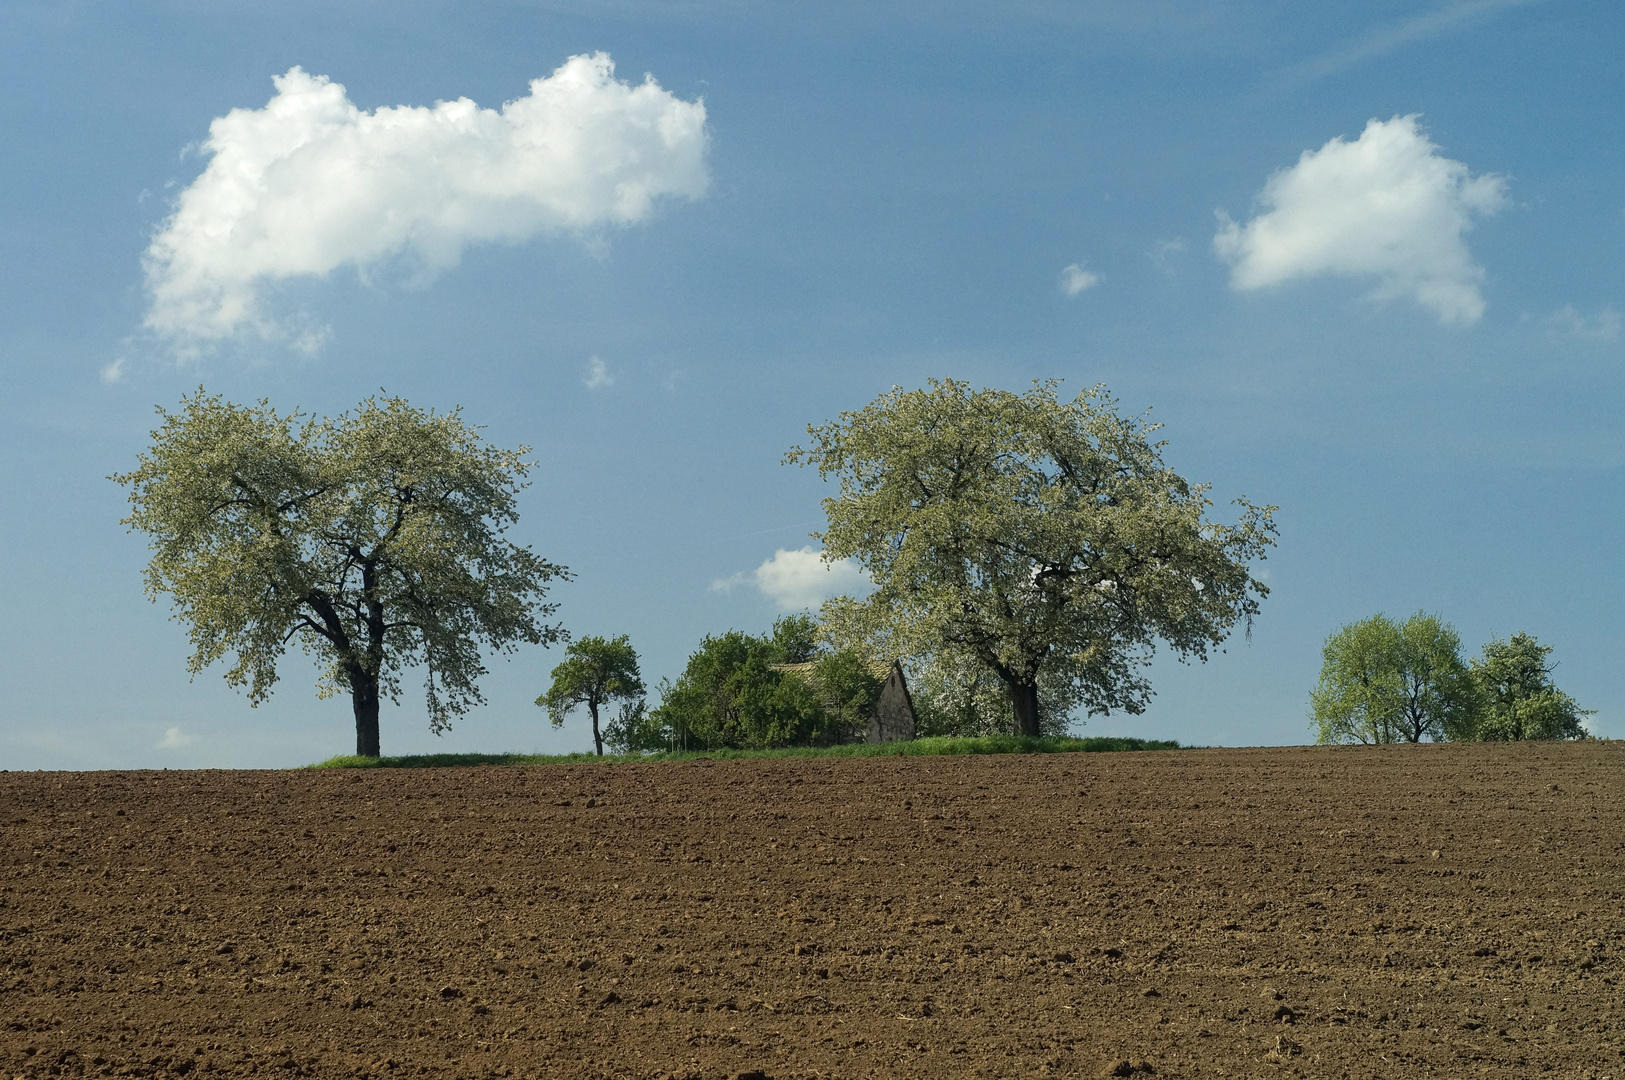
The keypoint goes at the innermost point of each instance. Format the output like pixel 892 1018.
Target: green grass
pixel 995 744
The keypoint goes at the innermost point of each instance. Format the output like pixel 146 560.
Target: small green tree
pixel 1044 538
pixel 635 729
pixel 736 692
pixel 372 540
pixel 1520 701
pixel 595 671
pixel 1387 682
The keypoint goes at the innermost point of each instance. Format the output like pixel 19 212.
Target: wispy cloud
pixel 597 375
pixel 1396 35
pixel 114 372
pixel 1163 252
pixel 1606 325
pixel 310 183
pixel 730 583
pixel 1387 206
pixel 1075 279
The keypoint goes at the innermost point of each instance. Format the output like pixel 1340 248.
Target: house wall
pixel 894 712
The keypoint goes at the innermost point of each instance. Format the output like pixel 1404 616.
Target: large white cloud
pixel 311 183
pixel 1386 206
pixel 799 579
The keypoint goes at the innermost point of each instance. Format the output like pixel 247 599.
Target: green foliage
pixel 1357 698
pixel 847 689
pixel 1003 744
pixel 956 695
pixel 735 693
pixel 1519 699
pixel 1044 540
pixel 795 638
pixel 1387 682
pixel 595 672
pixel 373 540
pixel 636 730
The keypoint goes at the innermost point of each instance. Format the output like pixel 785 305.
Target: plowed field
pixel 1387 912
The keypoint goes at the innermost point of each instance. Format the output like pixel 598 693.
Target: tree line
pixel 1028 554
pixel 738 690
pixel 789 687
pixel 1383 681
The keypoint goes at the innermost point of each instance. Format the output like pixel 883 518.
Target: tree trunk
pixel 1024 702
pixel 597 739
pixel 364 698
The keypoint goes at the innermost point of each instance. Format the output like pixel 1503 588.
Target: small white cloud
pixel 1386 206
pixel 174 739
pixel 113 372
pixel 1163 252
pixel 310 183
pixel 730 583
pixel 1606 325
pixel 308 340
pixel 597 374
pixel 1075 279
pixel 802 579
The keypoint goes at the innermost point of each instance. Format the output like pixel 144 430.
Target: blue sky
pixel 1410 340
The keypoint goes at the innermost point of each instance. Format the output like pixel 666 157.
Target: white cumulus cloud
pixel 799 579
pixel 1075 279
pixel 174 739
pixel 1387 207
pixel 311 183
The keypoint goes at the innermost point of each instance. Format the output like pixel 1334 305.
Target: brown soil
pixel 1396 912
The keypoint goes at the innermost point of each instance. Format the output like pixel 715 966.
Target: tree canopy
pixel 955 694
pixel 596 671
pixel 1518 696
pixel 1045 540
pixel 1387 682
pixel 744 691
pixel 372 540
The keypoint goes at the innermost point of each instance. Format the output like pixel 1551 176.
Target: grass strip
pixel 992 744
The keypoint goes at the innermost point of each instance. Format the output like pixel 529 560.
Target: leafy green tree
pixel 1520 701
pixel 1046 539
pixel 635 729
pixel 737 692
pixel 595 672
pixel 1388 682
pixel 1357 698
pixel 372 540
